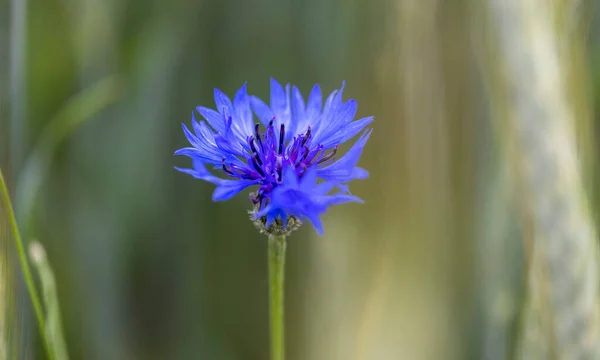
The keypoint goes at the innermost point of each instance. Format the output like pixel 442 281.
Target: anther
pixel 257 163
pixel 281 136
pixel 306 136
pixel 258 137
pixel 328 156
pixel 254 151
pixel 227 169
pixel 314 153
pixel 306 151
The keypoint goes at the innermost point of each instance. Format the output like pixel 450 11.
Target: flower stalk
pixel 277 245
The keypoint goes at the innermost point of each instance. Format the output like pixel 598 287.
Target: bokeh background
pixel 432 266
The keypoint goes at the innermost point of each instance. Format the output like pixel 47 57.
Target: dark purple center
pixel 269 157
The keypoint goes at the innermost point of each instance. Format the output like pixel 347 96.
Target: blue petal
pixel 278 98
pixel 332 103
pixel 280 103
pixel 315 220
pixel 265 211
pixel 271 216
pixel 335 100
pixel 188 151
pixel 211 143
pixel 200 172
pixel 346 132
pixel 343 188
pixel 244 113
pixel 214 118
pixel 329 104
pixel 205 146
pixel 202 130
pixel 229 147
pixel 304 116
pixel 192 139
pixel 324 188
pixel 309 179
pixel 195 154
pixel 224 105
pixel 192 172
pixel 344 169
pixel 226 189
pixel 315 100
pixel 338 98
pixel 340 199
pixel 343 115
pixel 290 179
pixel 262 110
pixel 359 173
pixel 297 102
pixel 299 120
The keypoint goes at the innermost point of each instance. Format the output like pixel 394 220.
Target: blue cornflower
pixel 296 145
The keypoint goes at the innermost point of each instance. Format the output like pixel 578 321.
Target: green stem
pixel 33 294
pixel 276 295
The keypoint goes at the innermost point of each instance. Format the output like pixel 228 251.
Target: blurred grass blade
pixel 53 328
pixel 5 277
pixel 33 294
pixel 18 71
pixel 563 278
pixel 80 108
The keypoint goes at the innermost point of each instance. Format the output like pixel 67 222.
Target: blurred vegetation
pixel 432 266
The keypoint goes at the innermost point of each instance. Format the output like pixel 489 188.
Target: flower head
pixel 294 144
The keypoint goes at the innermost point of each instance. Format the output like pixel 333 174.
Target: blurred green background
pixel 92 95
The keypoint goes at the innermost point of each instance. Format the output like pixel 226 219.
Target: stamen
pixel 279 168
pixel 227 169
pixel 244 173
pixel 270 136
pixel 306 136
pixel 258 137
pixel 254 151
pixel 293 147
pixel 306 151
pixel 281 136
pixel 255 162
pixel 328 156
pixel 314 154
